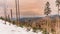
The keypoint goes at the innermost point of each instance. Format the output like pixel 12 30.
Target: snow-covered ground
pixel 13 29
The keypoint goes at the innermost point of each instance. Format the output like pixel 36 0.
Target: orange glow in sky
pixel 29 7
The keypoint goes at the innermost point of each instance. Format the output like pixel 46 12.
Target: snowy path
pixel 13 29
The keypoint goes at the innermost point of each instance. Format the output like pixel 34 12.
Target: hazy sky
pixel 36 7
pixel 28 7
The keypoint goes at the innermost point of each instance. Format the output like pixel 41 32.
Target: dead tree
pixel 5 11
pixel 8 18
pixel 18 12
pixel 16 4
pixel 11 15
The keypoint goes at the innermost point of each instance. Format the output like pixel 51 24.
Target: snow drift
pixel 13 29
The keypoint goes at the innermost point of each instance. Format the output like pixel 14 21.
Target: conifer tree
pixel 58 4
pixel 47 11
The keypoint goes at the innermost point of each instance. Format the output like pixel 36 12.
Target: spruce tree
pixel 58 4
pixel 47 11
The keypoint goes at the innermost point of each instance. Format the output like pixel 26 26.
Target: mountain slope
pixel 13 29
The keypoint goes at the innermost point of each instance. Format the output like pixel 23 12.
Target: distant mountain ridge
pixel 36 18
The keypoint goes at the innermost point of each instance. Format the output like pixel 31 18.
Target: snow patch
pixel 13 29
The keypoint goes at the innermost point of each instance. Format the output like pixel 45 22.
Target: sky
pixel 28 7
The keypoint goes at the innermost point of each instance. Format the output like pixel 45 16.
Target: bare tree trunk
pixel 11 16
pixel 16 11
pixel 47 25
pixel 58 19
pixel 5 16
pixel 8 17
pixel 11 13
pixel 5 11
pixel 57 23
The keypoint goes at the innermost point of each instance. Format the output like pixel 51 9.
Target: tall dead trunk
pixel 5 11
pixel 5 15
pixel 58 21
pixel 11 13
pixel 18 12
pixel 8 17
pixel 11 16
